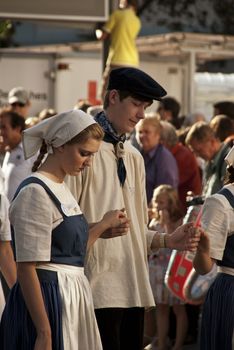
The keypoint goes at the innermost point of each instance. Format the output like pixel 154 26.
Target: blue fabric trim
pixel 228 251
pixel 227 194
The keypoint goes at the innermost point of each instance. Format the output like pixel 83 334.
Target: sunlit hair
pixel 31 121
pixel 153 121
pixel 46 113
pixel 93 131
pixel 174 206
pixel 200 131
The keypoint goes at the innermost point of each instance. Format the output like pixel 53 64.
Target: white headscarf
pixel 229 159
pixel 56 131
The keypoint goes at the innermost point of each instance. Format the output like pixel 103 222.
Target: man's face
pixel 125 114
pixel 204 149
pixel 22 110
pixel 11 136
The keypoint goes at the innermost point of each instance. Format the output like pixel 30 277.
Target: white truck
pixel 60 75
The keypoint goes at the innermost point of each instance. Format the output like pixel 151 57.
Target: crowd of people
pixel 199 154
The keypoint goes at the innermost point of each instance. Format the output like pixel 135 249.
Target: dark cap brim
pixel 137 82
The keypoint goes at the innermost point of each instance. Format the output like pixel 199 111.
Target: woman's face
pixel 148 136
pixel 77 156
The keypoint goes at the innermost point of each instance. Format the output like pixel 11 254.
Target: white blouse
pixel 218 222
pixel 34 216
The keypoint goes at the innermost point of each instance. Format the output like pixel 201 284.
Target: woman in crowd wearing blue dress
pixel 217 247
pixel 50 306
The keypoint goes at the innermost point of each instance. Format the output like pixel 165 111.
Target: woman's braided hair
pixel 43 151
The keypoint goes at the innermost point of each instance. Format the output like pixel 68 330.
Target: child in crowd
pixel 168 216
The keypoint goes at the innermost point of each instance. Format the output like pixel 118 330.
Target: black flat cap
pixel 135 81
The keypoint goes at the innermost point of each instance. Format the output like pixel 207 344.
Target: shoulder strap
pixel 221 166
pixel 228 194
pixel 34 179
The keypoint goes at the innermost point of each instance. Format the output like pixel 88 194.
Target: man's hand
pixel 185 237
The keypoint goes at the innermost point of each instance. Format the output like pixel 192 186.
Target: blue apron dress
pixel 65 291
pixel 218 312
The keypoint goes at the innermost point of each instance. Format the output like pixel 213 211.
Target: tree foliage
pixel 7 31
pixel 205 16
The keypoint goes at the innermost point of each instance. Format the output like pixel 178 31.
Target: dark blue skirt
pixel 17 331
pixel 218 315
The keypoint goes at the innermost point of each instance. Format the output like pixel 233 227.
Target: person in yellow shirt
pixel 122 28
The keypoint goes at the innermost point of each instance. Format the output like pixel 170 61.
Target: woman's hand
pixel 202 261
pixel 117 224
pixel 204 243
pixel 113 224
pixel 114 218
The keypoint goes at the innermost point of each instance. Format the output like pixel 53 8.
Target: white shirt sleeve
pixel 215 221
pixel 31 216
pixel 5 229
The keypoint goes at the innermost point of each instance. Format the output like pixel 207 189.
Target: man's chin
pixel 76 172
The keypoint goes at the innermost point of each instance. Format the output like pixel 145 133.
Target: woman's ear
pixel 61 148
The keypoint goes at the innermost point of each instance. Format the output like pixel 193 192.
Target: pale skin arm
pixel 7 263
pixel 31 290
pixel 202 262
pixel 113 224
pixel 185 237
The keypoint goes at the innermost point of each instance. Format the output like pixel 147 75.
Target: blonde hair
pixel 174 205
pixel 153 121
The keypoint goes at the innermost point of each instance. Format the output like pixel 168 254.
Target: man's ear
pixel 113 96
